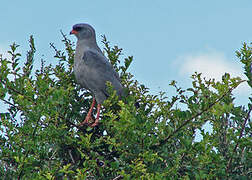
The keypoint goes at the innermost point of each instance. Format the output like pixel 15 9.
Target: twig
pixel 118 177
pixel 8 102
pixel 18 92
pixel 71 156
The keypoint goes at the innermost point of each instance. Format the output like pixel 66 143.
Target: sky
pixel 169 40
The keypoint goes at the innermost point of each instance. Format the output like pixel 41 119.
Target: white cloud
pixel 211 65
pixel 4 52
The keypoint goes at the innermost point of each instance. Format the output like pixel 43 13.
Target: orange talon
pixel 97 117
pixel 88 117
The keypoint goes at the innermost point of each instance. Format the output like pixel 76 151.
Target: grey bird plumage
pixel 91 68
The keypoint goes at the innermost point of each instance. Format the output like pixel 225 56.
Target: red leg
pixel 97 116
pixel 88 117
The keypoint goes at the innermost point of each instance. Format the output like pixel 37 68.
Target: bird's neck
pixel 88 44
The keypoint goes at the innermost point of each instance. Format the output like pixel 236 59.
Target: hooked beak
pixel 73 32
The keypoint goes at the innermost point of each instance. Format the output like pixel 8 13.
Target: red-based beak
pixel 73 32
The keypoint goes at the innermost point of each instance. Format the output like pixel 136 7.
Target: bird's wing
pixel 99 71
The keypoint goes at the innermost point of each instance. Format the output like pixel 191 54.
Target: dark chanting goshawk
pixel 92 69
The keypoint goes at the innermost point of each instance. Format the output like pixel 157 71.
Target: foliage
pixel 41 139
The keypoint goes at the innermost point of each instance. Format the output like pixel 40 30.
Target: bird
pixel 92 69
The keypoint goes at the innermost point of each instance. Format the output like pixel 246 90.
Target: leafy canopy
pixel 41 139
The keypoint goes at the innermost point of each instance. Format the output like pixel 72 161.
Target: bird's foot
pixel 94 124
pixel 88 120
pixel 96 121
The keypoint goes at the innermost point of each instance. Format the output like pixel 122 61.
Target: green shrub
pixel 41 139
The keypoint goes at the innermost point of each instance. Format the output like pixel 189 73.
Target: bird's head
pixel 83 31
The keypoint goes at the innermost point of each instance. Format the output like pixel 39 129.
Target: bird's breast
pixel 79 70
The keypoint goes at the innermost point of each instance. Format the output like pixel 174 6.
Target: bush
pixel 41 139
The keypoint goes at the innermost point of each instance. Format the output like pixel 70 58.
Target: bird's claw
pixel 87 120
pixel 90 122
pixel 94 124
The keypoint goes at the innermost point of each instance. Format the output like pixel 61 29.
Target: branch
pixel 162 142
pixel 18 92
pixel 27 152
pixel 34 130
pixel 240 136
pixel 11 104
pixel 118 177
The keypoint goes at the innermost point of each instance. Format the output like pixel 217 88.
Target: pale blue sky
pixel 168 39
